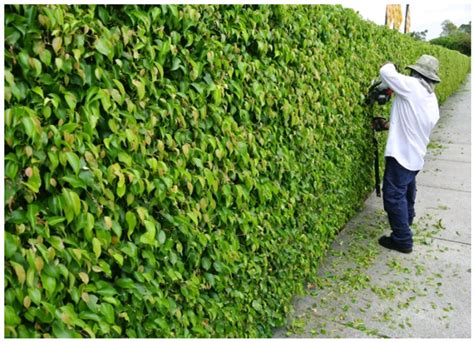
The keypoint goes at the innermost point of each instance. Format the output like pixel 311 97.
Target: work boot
pixel 387 242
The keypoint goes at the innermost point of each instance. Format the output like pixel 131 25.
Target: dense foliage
pixel 180 171
pixel 460 41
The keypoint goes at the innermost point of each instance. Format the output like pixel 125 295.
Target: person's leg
pixel 395 187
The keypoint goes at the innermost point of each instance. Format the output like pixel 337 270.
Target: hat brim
pixel 433 77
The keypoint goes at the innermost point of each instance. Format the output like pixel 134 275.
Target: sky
pixel 424 15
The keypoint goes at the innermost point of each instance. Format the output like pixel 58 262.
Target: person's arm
pixel 399 83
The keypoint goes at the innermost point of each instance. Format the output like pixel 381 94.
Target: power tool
pixel 379 93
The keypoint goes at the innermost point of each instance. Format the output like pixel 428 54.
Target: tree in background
pixel 421 35
pixel 455 38
pixel 448 28
pixel 465 28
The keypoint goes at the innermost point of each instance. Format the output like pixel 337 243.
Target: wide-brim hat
pixel 428 67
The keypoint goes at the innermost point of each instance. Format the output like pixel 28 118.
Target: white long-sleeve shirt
pixel 413 115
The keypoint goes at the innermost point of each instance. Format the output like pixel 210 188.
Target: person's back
pixel 413 116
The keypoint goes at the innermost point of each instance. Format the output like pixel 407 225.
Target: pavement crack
pixel 442 188
pixel 450 160
pixel 366 331
pixel 453 241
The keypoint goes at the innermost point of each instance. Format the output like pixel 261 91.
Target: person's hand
pixel 380 124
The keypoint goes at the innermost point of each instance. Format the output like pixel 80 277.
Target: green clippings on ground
pixel 360 325
pixel 386 316
pixel 434 145
pixel 420 269
pixel 348 274
pixel 449 308
pixel 397 266
pixel 298 325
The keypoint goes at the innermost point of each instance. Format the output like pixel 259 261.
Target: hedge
pixel 460 41
pixel 179 171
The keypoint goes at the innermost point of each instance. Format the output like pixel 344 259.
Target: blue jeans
pixel 399 192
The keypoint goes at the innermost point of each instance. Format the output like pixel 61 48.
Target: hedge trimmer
pixel 378 93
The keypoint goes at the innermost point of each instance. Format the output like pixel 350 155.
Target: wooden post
pixel 407 19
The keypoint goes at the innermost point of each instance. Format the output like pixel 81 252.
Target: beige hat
pixel 427 66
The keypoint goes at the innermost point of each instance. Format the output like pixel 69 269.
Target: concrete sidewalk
pixel 364 290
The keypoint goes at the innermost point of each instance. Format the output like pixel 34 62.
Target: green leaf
pixel 36 66
pixel 59 62
pixel 23 59
pixel 142 213
pixel 71 100
pixel 125 158
pixel 49 284
pixel 35 295
pixel 8 117
pixel 58 244
pixel 34 181
pixel 218 266
pixel 120 87
pixel 75 182
pixel 131 222
pixel 149 236
pixel 118 258
pixel 11 170
pixel 198 162
pixel 108 312
pixel 176 64
pixel 12 243
pixel 54 220
pixel 206 263
pixel 53 158
pixel 45 57
pixel 117 229
pixel 20 272
pixel 74 161
pixel 60 330
pixel 11 35
pixel 256 305
pixel 31 212
pixel 30 125
pixel 57 44
pixel 105 47
pixel 96 247
pixel 84 277
pixel 140 88
pixel 161 237
pixel 38 91
pixel 174 10
pixel 121 189
pixel 125 283
pixel 11 316
pixel 9 77
pixel 104 97
pixel 71 204
pixel 77 54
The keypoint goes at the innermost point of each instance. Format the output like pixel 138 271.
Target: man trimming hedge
pixel 413 115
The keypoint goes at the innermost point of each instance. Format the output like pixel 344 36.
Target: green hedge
pixel 460 41
pixel 180 171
